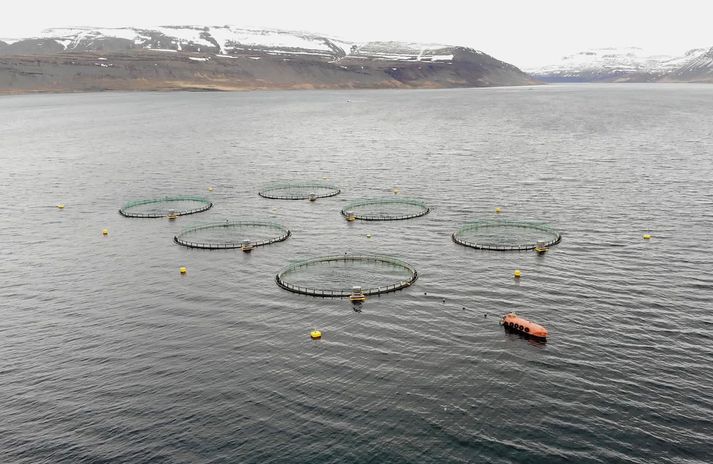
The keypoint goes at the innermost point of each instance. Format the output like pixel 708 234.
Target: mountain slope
pixel 231 58
pixel 698 68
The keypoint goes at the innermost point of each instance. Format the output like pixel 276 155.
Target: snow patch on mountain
pixel 186 35
pixel 232 38
pixel 70 38
pixel 403 51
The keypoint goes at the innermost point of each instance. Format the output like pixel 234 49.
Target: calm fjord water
pixel 107 354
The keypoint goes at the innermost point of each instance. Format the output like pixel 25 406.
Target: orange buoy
pixel 514 322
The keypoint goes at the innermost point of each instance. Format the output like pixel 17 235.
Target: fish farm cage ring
pixel 506 235
pixel 340 276
pixel 232 234
pixel 385 209
pixel 299 191
pixel 162 207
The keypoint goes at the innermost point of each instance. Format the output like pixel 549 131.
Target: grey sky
pixel 524 33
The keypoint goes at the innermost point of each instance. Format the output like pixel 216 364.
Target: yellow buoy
pixel 210 189
pixel 315 335
pixel 60 206
pixel 497 210
pixel 105 231
pixel 647 236
pixel 517 273
pixel 182 269
pixel 396 191
pixel 368 235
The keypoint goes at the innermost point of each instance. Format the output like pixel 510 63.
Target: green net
pixel 299 190
pixel 162 207
pixel 503 235
pixel 335 276
pixel 385 209
pixel 232 234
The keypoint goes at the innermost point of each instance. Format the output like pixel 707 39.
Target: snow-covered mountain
pixel 234 58
pixel 630 64
pixel 697 68
pixel 224 40
pixel 218 40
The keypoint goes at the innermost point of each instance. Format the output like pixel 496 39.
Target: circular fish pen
pixel 299 191
pixel 232 234
pixel 336 276
pixel 163 207
pixel 385 209
pixel 504 235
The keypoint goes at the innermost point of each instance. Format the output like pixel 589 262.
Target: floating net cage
pixel 162 207
pixel 504 235
pixel 385 209
pixel 232 234
pixel 299 190
pixel 336 276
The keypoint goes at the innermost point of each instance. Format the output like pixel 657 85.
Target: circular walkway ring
pixel 344 293
pixel 281 191
pixel 354 207
pixel 554 236
pixel 284 234
pixel 205 206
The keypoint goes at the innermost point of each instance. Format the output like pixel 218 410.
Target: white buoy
pixel 357 294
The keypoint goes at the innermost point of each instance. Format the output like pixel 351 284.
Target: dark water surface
pixel 107 354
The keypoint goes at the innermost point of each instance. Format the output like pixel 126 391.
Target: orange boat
pixel 514 322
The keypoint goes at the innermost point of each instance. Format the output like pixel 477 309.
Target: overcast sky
pixel 525 33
